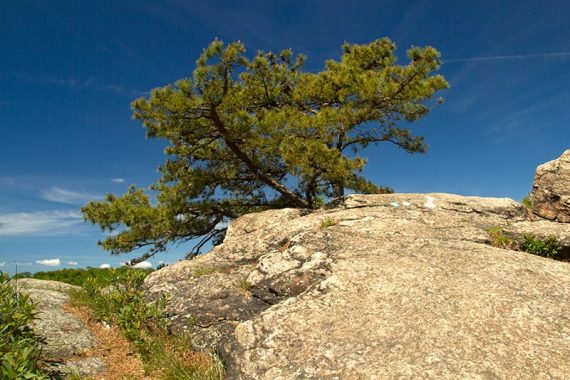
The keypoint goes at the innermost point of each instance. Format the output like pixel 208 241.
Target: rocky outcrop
pixel 378 287
pixel 66 338
pixel 550 197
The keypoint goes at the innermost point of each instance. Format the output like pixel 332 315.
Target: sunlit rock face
pixel 65 337
pixel 377 287
pixel 550 196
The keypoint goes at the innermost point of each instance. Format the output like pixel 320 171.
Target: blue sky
pixel 69 70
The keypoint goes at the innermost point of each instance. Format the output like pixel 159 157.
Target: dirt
pixel 120 356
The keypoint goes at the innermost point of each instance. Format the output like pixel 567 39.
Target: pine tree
pixel 247 135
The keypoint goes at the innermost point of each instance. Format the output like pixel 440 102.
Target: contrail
pixel 500 57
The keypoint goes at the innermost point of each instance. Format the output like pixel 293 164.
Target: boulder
pixel 66 338
pixel 378 287
pixel 550 197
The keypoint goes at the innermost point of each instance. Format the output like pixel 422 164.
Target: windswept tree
pixel 250 134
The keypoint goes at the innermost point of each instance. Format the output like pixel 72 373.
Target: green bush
pixel 20 347
pixel 79 276
pixel 119 301
pixel 548 247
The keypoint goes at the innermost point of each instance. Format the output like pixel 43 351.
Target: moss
pixel 204 271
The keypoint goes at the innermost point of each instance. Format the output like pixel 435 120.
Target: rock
pixel 381 286
pixel 550 197
pixel 66 337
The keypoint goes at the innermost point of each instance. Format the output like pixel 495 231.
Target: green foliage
pixel 19 346
pixel 248 134
pixel 79 276
pixel 526 201
pixel 119 301
pixel 245 285
pixel 500 240
pixel 328 222
pixel 319 202
pixel 548 247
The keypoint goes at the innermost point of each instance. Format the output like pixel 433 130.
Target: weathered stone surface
pixel 397 286
pixel 550 197
pixel 66 337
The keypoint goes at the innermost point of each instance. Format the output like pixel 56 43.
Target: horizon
pixel 70 71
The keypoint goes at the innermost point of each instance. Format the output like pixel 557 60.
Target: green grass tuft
pixel 328 222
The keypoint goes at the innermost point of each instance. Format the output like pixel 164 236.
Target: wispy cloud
pixel 2 264
pixel 117 180
pixel 49 262
pixel 506 57
pixel 105 266
pixel 81 84
pixel 61 195
pixel 56 222
pixel 72 263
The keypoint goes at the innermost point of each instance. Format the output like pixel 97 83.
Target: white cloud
pixel 80 84
pixel 49 262
pixel 55 222
pixel 118 180
pixel 516 56
pixel 72 263
pixel 58 194
pixel 105 266
pixel 2 264
pixel 143 265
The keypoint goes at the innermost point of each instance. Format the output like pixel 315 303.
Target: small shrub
pixel 165 356
pixel 526 201
pixel 500 240
pixel 122 303
pixel 245 285
pixel 328 222
pixel 318 202
pixel 548 247
pixel 19 346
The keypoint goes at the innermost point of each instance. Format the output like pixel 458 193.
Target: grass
pixel 20 347
pixel 328 222
pixel 526 201
pixel 144 323
pixel 500 240
pixel 204 271
pixel 245 285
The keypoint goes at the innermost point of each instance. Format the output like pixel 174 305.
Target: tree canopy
pixel 250 134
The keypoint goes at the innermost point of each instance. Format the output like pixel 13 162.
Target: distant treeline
pixel 101 277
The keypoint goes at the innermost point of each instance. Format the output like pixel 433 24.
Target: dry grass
pixel 121 359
